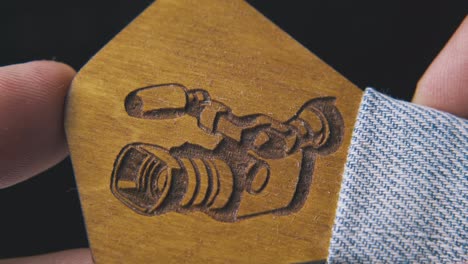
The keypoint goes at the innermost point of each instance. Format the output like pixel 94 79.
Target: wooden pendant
pixel 203 133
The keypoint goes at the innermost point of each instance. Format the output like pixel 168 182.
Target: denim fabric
pixel 404 196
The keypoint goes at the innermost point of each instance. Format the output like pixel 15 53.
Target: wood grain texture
pixel 203 133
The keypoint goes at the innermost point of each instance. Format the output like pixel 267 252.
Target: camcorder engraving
pixel 153 180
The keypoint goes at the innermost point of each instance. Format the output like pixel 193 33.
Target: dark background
pixel 384 44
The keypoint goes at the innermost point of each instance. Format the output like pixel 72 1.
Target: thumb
pixel 32 137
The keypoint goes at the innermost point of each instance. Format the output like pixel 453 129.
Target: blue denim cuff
pixel 404 196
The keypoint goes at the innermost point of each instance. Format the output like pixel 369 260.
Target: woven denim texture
pixel 404 196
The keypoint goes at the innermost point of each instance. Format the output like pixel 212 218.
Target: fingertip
pixel 32 137
pixel 42 72
pixel 53 71
pixel 443 85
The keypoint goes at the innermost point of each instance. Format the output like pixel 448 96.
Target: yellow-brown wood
pixel 203 133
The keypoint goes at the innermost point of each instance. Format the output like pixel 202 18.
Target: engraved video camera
pixel 243 176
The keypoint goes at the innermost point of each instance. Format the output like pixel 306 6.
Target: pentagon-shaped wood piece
pixel 203 133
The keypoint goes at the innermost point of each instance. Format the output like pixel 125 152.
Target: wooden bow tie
pixel 203 133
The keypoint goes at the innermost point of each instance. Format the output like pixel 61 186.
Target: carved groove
pixel 161 177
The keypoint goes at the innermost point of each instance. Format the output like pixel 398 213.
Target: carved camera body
pixel 242 169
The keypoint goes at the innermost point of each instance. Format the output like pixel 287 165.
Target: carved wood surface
pixel 203 133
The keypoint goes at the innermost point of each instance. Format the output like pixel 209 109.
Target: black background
pixel 384 44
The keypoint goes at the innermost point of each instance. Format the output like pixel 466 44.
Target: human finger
pixel 32 137
pixel 73 256
pixel 444 85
